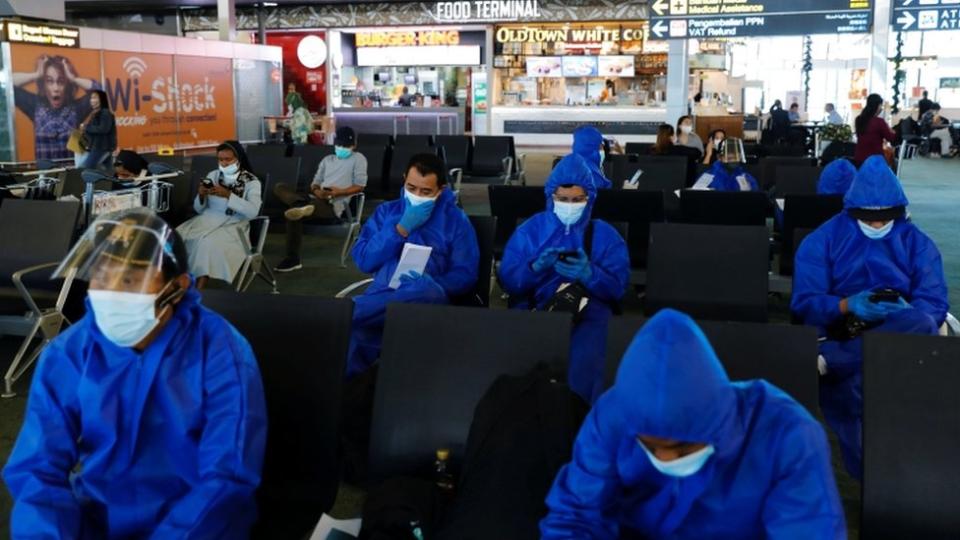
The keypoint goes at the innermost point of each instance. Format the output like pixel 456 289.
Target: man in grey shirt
pixel 338 178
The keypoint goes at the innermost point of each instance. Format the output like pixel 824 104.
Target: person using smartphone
pixel 868 269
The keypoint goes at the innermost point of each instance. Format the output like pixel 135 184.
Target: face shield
pixel 732 153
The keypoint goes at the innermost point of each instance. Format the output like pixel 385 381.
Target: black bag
pixel 522 434
pixel 401 509
pixel 573 298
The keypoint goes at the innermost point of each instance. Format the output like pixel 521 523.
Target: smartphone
pixel 327 189
pixel 207 183
pixel 567 255
pixel 885 295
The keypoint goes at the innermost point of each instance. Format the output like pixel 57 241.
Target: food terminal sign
pixel 536 34
pixel 423 38
pixel 738 18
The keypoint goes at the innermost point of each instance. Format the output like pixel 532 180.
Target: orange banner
pixel 204 92
pixel 137 85
pixel 50 94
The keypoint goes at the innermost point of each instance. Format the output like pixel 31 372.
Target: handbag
pixel 78 143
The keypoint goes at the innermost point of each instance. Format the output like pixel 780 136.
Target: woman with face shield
pixel 227 199
pixel 146 417
pixel 727 174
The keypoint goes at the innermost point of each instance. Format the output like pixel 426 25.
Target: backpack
pixel 522 433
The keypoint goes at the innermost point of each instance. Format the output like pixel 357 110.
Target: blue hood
pixel 586 144
pixel 836 178
pixel 875 186
pixel 671 385
pixel 572 169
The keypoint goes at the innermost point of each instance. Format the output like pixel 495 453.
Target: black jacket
pixel 101 131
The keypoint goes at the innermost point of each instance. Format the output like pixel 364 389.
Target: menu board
pixel 580 66
pixel 544 66
pixel 616 66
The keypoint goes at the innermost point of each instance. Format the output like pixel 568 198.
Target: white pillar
pixel 227 19
pixel 879 75
pixel 678 79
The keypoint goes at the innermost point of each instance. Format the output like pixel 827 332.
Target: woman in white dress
pixel 228 198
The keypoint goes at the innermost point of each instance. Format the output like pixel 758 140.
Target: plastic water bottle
pixel 441 470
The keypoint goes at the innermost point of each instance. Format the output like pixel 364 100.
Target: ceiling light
pixel 268 4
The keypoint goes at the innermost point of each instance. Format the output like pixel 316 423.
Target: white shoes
pixel 296 214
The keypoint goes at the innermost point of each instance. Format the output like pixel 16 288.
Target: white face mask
pixel 688 465
pixel 230 170
pixel 568 213
pixel 125 318
pixel 603 157
pixel 686 129
pixel 875 234
pixel 417 200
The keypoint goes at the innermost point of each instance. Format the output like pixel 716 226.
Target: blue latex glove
pixel 861 306
pixel 416 278
pixel 893 307
pixel 415 216
pixel 575 268
pixel 546 260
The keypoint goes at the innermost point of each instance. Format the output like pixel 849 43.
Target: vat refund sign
pixel 486 10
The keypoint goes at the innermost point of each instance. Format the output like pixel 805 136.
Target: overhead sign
pixel 737 18
pixel 431 55
pixel 926 15
pixel 41 34
pixel 422 38
pixel 567 35
pixel 486 10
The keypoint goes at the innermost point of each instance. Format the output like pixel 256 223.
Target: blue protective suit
pixel 452 269
pixel 167 443
pixel 588 143
pixel 837 261
pixel 719 178
pixel 770 475
pixel 610 269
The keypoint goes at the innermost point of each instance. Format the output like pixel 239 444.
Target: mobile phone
pixel 327 189
pixel 207 183
pixel 567 255
pixel 885 295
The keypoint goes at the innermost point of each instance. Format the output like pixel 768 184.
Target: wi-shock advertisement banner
pixel 204 94
pixel 138 86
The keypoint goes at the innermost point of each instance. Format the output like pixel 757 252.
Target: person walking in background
pixel 99 131
pixel 872 130
pixel 301 123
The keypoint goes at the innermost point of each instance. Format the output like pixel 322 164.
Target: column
pixel 262 25
pixel 227 19
pixel 678 79
pixel 878 73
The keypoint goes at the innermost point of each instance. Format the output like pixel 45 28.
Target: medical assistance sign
pixel 739 18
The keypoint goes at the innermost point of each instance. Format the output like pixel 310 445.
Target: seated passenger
pixel 676 450
pixel 714 145
pixel 686 136
pixel 588 144
pixel 228 198
pixel 563 246
pixel 146 417
pixel 666 146
pixel 426 215
pixel 728 174
pixel 338 178
pixel 129 166
pixel 871 246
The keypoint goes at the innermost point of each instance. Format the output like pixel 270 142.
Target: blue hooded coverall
pixel 835 179
pixel 164 443
pixel 769 477
pixel 588 144
pixel 838 261
pixel 610 272
pixel 451 270
pixel 724 180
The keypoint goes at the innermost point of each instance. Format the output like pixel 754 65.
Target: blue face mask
pixel 875 234
pixel 688 465
pixel 125 318
pixel 417 200
pixel 342 152
pixel 568 213
pixel 230 170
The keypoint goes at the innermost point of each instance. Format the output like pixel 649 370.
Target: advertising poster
pixel 579 66
pixel 616 66
pixel 544 66
pixel 51 87
pixel 203 96
pixel 142 94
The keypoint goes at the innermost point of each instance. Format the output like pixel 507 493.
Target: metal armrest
pixel 951 326
pixel 362 199
pixel 25 293
pixel 353 287
pixel 457 175
pixel 507 169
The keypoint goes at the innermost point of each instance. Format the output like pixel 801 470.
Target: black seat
pixel 796 180
pixel 785 150
pixel 804 212
pixel 639 148
pixel 659 173
pixel 637 209
pixel 486 228
pixel 614 168
pixel 272 172
pixel 458 148
pixel 177 161
pixel 724 207
pixel 374 139
pixel 398 166
pixel 769 166
pixel 781 354
pixel 266 152
pixel 489 152
pixel 837 150
pixel 709 271
pixel 378 165
pixel 414 140
pixel 310 157
pixel 510 204
pixel 911 436
pixel 302 382
pixel 427 389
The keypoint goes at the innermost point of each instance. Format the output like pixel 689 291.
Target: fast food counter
pixel 553 125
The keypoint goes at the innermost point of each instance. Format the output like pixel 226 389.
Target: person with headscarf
pixel 868 269
pixel 676 450
pixel 560 248
pixel 301 123
pixel 588 144
pixel 727 173
pixel 129 165
pixel 227 199
pixel 146 417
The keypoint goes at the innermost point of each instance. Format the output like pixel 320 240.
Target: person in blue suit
pixel 869 247
pixel 836 179
pixel 146 418
pixel 588 144
pixel 727 173
pixel 676 450
pixel 427 215
pixel 535 265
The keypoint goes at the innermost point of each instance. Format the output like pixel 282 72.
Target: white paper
pixel 744 185
pixel 780 203
pixel 703 183
pixel 327 524
pixel 413 258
